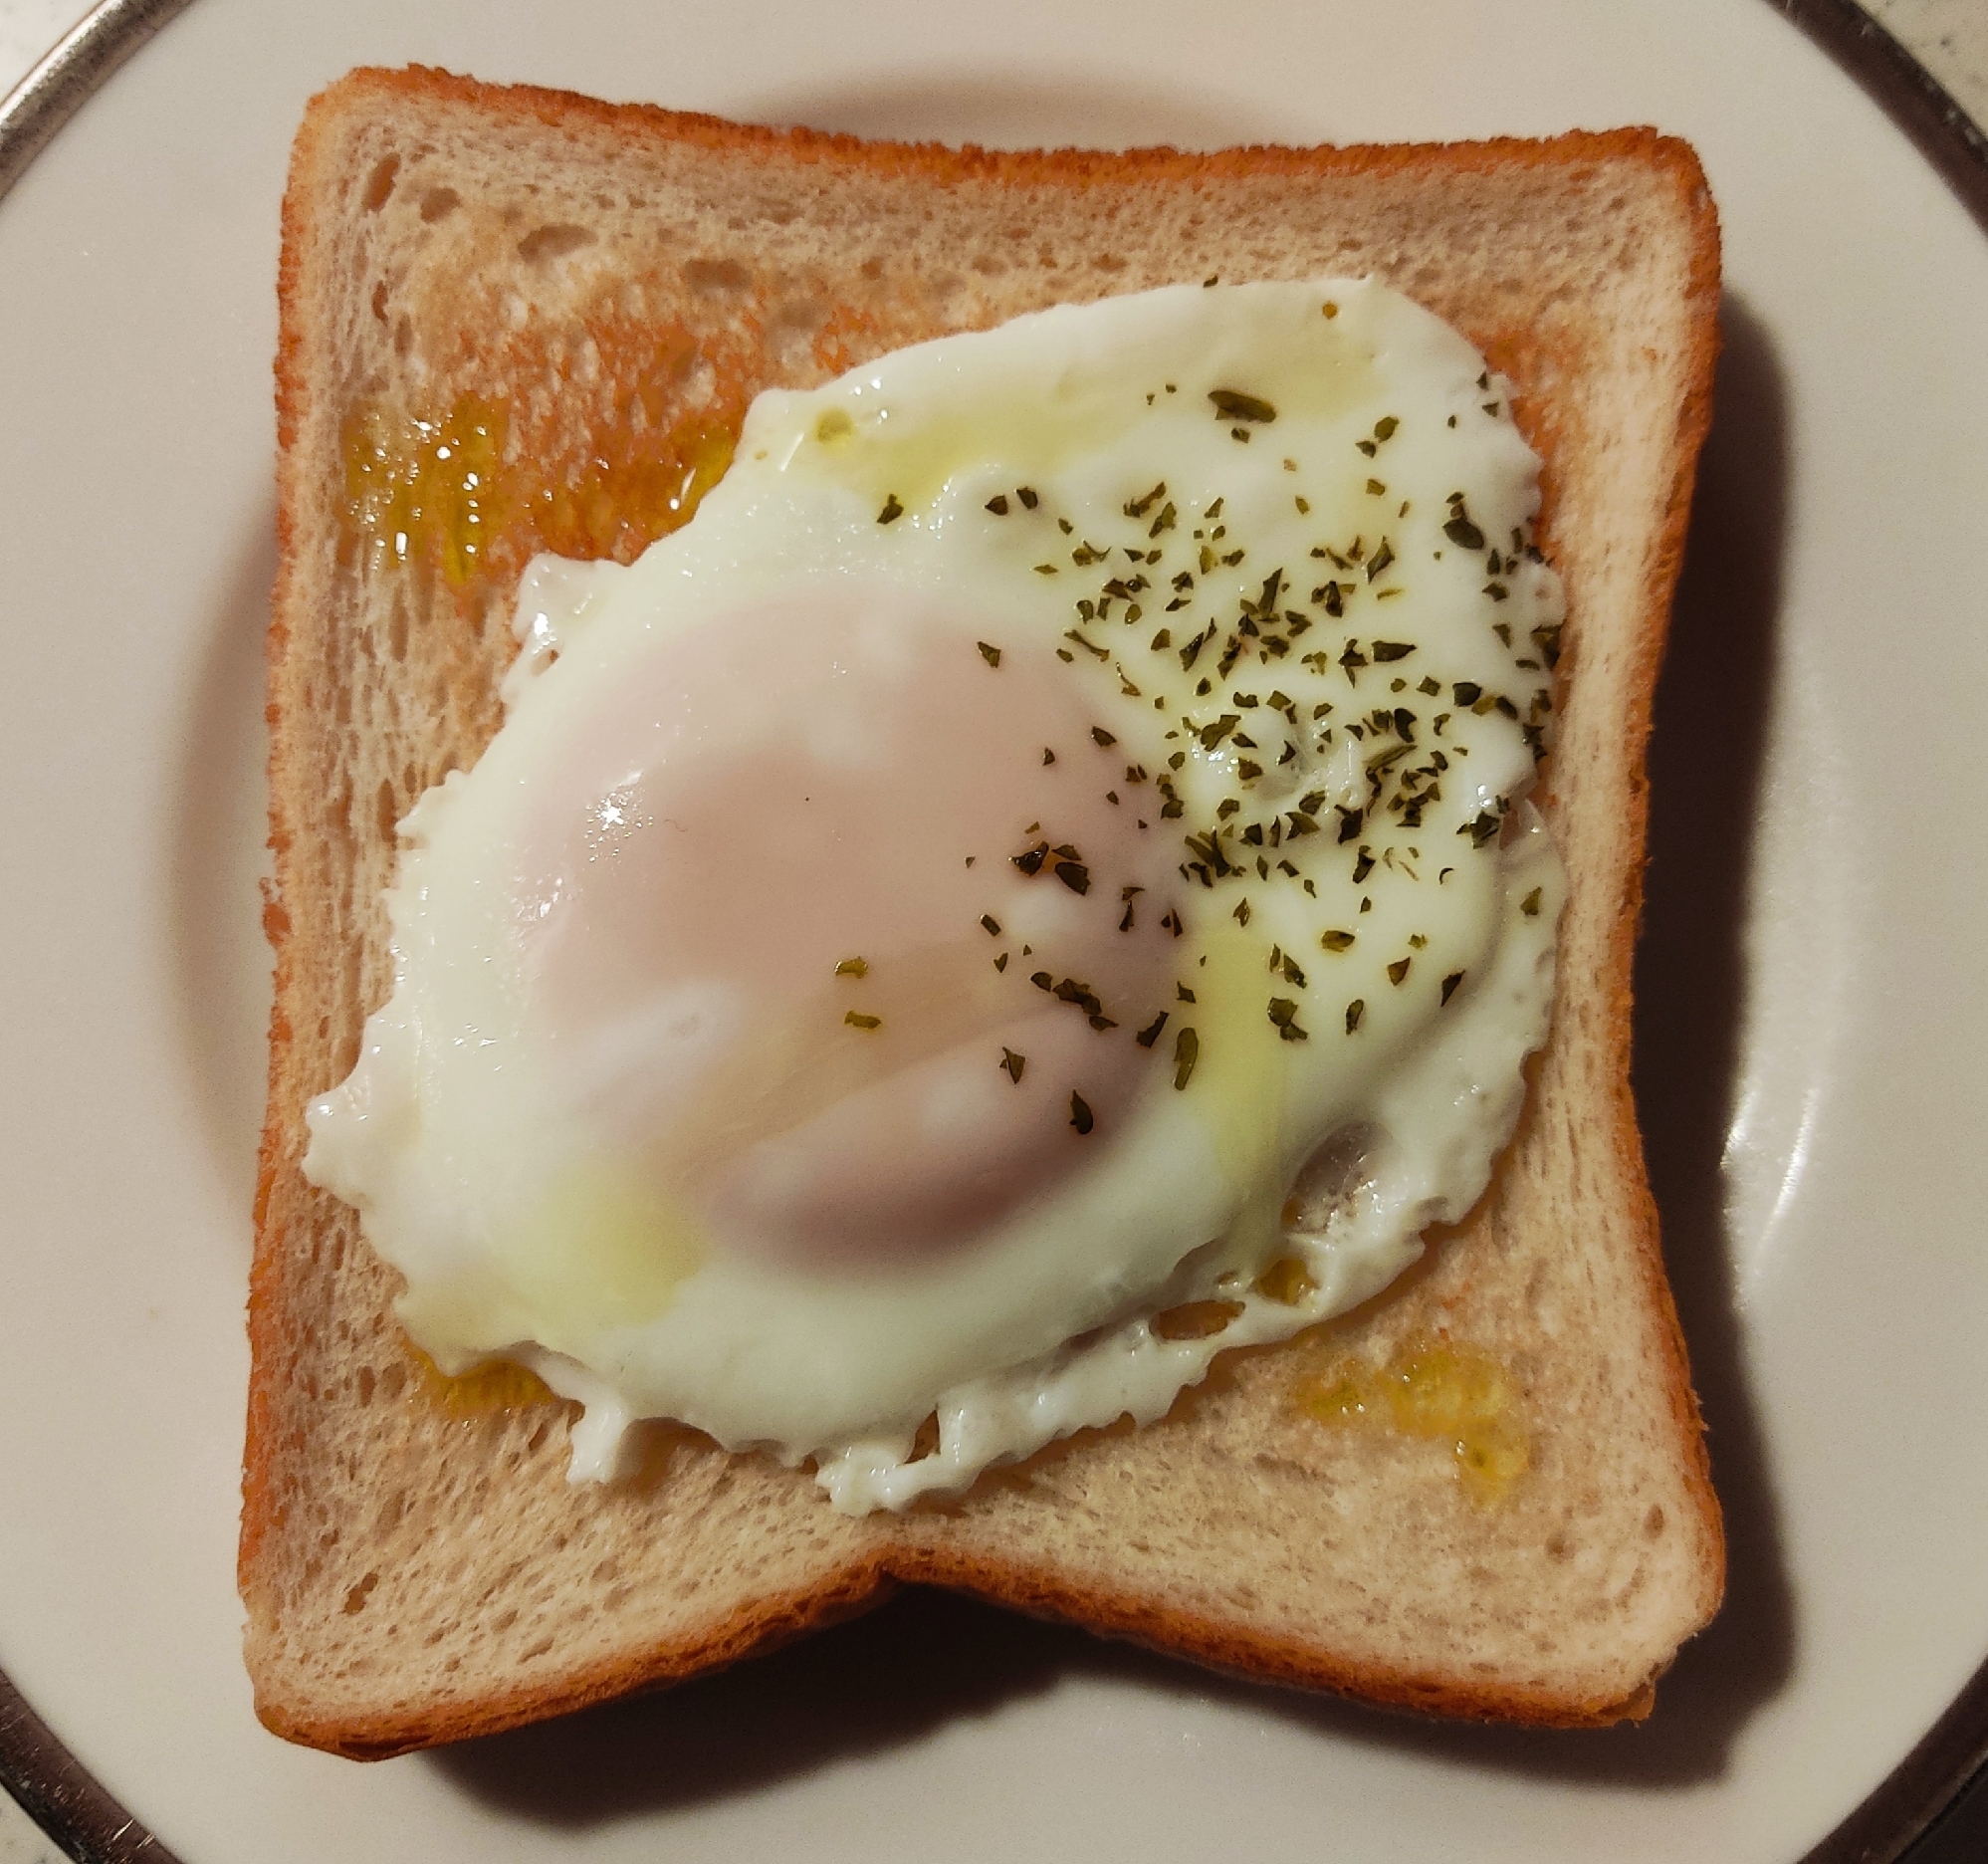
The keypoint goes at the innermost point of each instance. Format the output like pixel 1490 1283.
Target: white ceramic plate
pixel 1815 1031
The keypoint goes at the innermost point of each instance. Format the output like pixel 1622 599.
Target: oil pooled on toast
pixel 435 488
pixel 1437 1391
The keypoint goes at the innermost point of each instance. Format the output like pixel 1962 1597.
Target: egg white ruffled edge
pixel 1438 1125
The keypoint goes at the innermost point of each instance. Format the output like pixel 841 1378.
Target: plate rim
pixel 1920 1793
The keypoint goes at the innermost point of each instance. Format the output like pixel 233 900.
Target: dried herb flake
pixel 1233 405
pixel 1186 1051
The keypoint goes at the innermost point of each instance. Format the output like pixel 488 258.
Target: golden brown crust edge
pixel 264 1304
pixel 1239 1651
pixel 770 1623
pixel 1695 416
pixel 942 164
pixel 857 1587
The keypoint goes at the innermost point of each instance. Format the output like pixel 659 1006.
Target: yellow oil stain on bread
pixel 578 303
pixel 448 489
pixel 1435 1391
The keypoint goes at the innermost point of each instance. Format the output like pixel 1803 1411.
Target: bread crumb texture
pixel 580 300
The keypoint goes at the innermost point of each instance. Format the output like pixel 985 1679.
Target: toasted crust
pixel 381 1615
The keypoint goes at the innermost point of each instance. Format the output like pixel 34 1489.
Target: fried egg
pixel 1031 887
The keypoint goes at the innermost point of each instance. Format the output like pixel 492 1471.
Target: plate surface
pixel 1813 1019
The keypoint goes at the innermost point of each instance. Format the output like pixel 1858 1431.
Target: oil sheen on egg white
pixel 1032 888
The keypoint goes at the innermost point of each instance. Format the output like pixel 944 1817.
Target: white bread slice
pixel 618 280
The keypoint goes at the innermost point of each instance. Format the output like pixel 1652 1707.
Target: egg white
pixel 517 1230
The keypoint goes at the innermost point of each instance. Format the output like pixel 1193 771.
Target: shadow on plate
pixel 219 817
pixel 927 1661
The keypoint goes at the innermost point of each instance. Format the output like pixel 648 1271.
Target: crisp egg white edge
pixel 1444 1117
pixel 1423 1169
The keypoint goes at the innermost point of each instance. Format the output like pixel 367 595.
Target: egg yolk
pixel 846 928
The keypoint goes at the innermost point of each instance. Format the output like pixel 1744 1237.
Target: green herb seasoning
pixel 1233 405
pixel 1283 1012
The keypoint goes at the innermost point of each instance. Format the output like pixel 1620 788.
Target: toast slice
pixel 592 293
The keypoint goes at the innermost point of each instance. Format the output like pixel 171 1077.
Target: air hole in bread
pixel 547 243
pixel 389 812
pixel 380 184
pixel 380 301
pixel 403 336
pixel 797 316
pixel 707 277
pixel 1653 1523
pixel 439 203
pixel 872 267
pixel 1108 261
pixel 355 1598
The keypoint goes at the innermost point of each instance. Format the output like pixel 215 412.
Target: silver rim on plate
pixel 1910 1805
